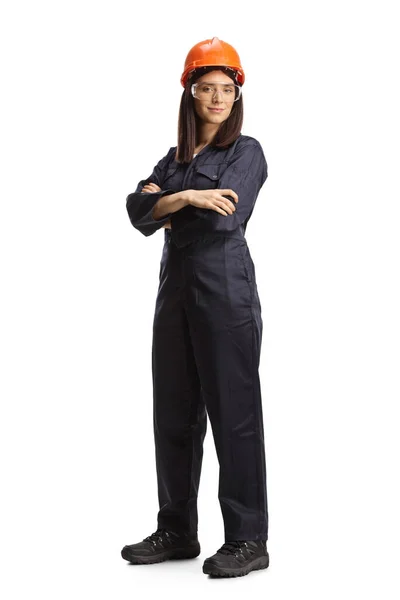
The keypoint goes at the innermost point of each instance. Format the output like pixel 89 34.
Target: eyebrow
pixel 213 82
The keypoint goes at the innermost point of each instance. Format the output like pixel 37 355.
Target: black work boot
pixel 163 544
pixel 237 558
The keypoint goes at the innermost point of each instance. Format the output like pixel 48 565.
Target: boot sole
pixel 261 562
pixel 173 554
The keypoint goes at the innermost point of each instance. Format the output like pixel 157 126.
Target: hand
pixel 214 200
pixel 149 188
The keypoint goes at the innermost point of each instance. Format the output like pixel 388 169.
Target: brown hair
pixel 188 120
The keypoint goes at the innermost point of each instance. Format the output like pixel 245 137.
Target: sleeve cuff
pixel 140 210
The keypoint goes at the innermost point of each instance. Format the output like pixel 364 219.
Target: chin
pixel 215 117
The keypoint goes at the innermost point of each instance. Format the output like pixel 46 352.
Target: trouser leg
pixel 226 329
pixel 180 418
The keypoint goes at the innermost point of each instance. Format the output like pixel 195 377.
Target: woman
pixel 207 326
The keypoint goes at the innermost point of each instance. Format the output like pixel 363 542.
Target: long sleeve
pixel 245 174
pixel 140 204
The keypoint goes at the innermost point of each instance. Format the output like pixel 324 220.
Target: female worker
pixel 207 326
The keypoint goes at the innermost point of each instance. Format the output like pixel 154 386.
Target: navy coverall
pixel 207 334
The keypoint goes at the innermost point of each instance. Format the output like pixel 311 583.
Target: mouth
pixel 216 109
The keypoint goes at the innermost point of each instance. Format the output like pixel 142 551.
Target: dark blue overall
pixel 207 335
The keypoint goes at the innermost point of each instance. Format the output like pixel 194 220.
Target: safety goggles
pixel 229 92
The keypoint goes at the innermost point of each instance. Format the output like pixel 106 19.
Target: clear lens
pixel 227 92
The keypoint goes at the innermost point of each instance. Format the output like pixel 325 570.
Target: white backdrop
pixel 90 98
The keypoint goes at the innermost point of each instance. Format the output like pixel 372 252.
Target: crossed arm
pixel 227 207
pixel 206 199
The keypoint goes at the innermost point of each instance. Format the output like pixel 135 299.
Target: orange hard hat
pixel 212 52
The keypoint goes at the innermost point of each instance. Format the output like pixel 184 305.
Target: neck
pixel 206 133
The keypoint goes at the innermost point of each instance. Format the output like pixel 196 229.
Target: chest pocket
pixel 206 177
pixel 173 179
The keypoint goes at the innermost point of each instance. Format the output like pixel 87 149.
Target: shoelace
pixel 158 535
pixel 232 547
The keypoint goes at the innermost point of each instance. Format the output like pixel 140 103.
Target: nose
pixel 217 92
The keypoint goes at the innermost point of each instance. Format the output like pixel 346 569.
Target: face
pixel 204 108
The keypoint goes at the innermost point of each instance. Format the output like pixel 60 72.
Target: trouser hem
pixel 247 537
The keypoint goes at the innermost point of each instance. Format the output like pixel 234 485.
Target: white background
pixel 89 104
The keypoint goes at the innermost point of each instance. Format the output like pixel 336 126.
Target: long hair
pixel 188 120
